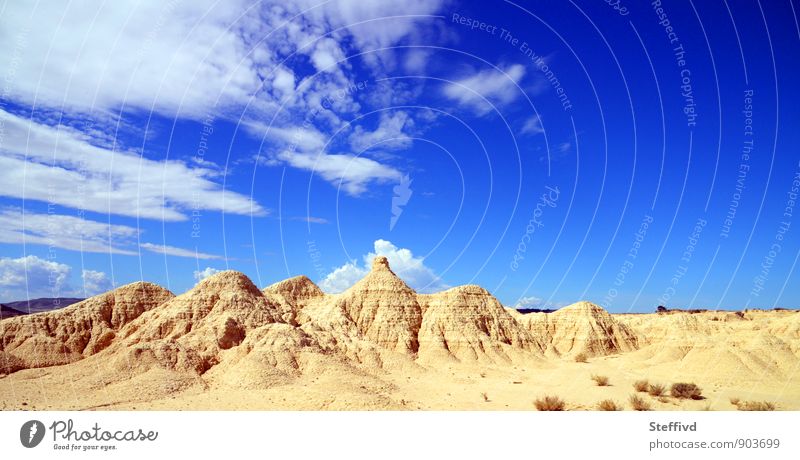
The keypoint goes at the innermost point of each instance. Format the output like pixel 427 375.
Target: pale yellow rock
pixel 79 330
pixel 225 344
pixel 468 323
pixel 582 327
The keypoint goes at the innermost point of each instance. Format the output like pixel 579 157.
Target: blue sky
pixel 631 154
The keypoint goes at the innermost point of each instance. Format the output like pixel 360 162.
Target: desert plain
pixel 228 345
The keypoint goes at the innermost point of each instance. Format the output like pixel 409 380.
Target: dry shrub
pixel 581 358
pixel 641 385
pixel 735 401
pixel 686 391
pixel 609 405
pixel 638 403
pixel 755 405
pixel 600 380
pixel 551 403
pixel 485 396
pixel 655 389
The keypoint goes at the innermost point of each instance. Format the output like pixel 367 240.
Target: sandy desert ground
pixel 226 344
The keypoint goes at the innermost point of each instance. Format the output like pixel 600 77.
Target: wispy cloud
pixel 497 86
pixel 351 173
pixel 391 133
pixel 187 60
pixel 46 163
pixel 533 126
pixel 310 219
pixel 65 232
pixel 177 252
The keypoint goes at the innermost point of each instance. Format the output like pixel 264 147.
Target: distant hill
pixel 23 307
pixel 8 312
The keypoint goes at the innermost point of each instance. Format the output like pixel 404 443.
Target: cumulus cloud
pixel 529 302
pixel 31 277
pixel 95 282
pixel 177 252
pixel 200 275
pixel 497 86
pixel 65 232
pixel 534 302
pixel 403 262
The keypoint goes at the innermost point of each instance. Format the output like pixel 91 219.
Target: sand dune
pixel 226 344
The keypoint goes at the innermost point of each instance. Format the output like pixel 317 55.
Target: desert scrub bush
pixel 600 380
pixel 656 389
pixel 638 403
pixel 735 401
pixel 581 358
pixel 685 391
pixel 485 396
pixel 609 405
pixel 755 405
pixel 552 403
pixel 641 385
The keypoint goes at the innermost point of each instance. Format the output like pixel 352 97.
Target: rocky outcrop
pixel 383 309
pixel 80 330
pixel 294 294
pixel 468 323
pixel 190 331
pixel 582 327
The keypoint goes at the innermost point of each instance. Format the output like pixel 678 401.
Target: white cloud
pixel 186 60
pixel 284 81
pixel 416 60
pixel 174 57
pixel 31 277
pixel 564 147
pixel 533 126
pixel 529 302
pixel 65 232
pixel 498 86
pixel 326 55
pixel 390 133
pixel 310 219
pixel 402 261
pixel 200 275
pixel 352 173
pixel 95 282
pixel 189 58
pixel 378 23
pixel 178 252
pixel 341 278
pixel 60 165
